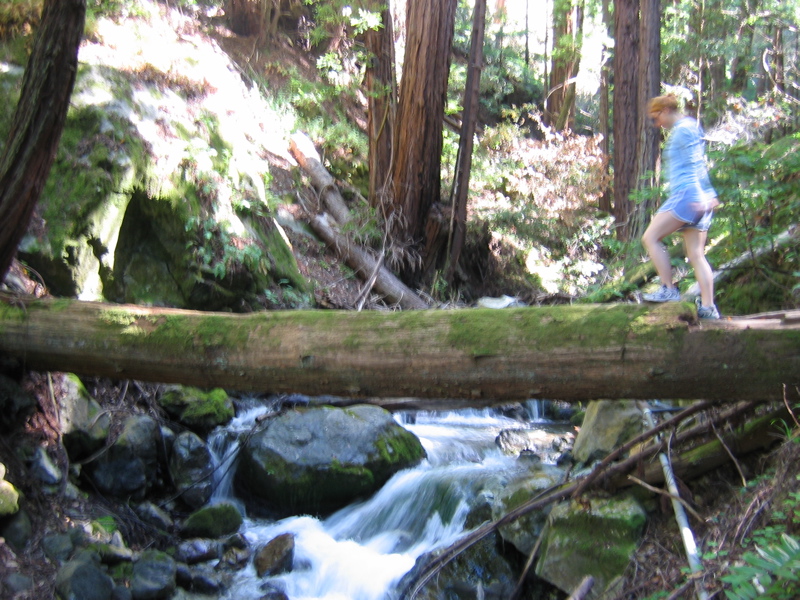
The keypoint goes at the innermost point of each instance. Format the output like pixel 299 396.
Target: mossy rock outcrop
pixel 158 194
pixel 320 459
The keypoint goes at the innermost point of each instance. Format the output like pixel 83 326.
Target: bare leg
pixel 660 227
pixel 695 243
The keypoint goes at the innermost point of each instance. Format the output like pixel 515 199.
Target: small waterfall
pixel 362 551
pixel 224 443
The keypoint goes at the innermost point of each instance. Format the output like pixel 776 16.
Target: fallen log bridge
pixel 416 359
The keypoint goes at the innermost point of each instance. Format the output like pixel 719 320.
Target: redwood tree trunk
pixel 38 120
pixel 646 176
pixel 381 88
pixel 458 230
pixel 562 67
pixel 418 136
pixel 626 112
pixel 479 357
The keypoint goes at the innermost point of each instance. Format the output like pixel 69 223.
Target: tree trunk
pixel 567 25
pixel 458 229
pixel 38 120
pixel 478 356
pixel 381 86
pixel 649 86
pixel 626 111
pixel 605 92
pixel 416 172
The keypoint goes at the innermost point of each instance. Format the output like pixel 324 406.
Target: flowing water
pixel 362 551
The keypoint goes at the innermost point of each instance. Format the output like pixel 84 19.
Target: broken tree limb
pixel 366 266
pixel 306 155
pixel 478 356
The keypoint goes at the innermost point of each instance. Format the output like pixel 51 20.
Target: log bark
pixel 306 155
pixel 479 356
pixel 365 266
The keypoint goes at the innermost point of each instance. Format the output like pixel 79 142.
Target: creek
pixel 362 551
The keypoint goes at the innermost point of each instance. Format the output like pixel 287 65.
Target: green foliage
pixel 220 252
pixel 760 191
pixel 772 572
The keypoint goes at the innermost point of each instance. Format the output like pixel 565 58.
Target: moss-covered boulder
pixel 213 521
pixel 596 538
pixel 197 409
pixel 607 425
pixel 9 496
pixel 320 459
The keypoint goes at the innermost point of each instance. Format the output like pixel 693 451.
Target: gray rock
pixel 43 468
pixel 191 466
pixel 155 516
pixel 276 556
pixel 522 533
pixel 130 467
pixel 319 459
pixel 17 530
pixel 153 576
pixel 607 425
pixel 83 580
pixel 58 547
pixel 17 583
pixel 84 425
pixel 198 550
pixel 15 404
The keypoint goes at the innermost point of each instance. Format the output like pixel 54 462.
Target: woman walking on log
pixel 688 209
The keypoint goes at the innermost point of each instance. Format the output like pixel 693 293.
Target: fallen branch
pixel 366 266
pixel 603 472
pixel 583 589
pixel 305 154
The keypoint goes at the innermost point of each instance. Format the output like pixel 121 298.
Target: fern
pixel 768 573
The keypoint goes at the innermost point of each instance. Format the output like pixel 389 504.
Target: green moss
pixel 487 332
pixel 213 521
pixel 196 408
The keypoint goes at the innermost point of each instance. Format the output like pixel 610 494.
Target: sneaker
pixel 664 294
pixel 706 312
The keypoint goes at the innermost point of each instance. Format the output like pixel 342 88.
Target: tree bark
pixel 381 86
pixel 458 229
pixel 303 151
pixel 626 111
pixel 649 86
pixel 479 356
pixel 416 172
pixel 38 120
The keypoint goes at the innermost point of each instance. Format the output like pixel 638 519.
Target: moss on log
pixel 478 356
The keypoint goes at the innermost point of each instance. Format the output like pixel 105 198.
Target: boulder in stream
pixel 607 425
pixel 320 459
pixel 191 466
